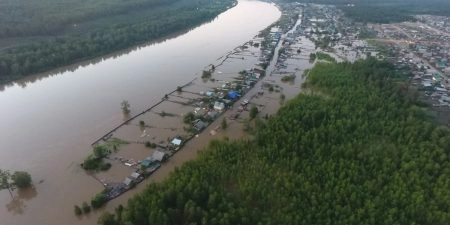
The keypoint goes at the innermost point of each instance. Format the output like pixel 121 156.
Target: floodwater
pixel 49 124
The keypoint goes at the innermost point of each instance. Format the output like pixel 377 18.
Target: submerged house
pixel 135 176
pixel 146 163
pixel 128 181
pixel 233 95
pixel 219 106
pixel 176 142
pixel 160 156
pixel 199 125
pixel 212 115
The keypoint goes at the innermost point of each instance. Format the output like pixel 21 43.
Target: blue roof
pixel 233 95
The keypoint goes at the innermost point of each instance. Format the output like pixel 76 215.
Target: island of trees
pixel 41 35
pixel 11 181
pixel 353 148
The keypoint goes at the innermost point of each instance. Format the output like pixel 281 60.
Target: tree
pixel 86 208
pixel 5 181
pixel 100 151
pixel 189 117
pixel 224 124
pixel 107 219
pixel 98 200
pixel 253 112
pixel 206 74
pixel 125 106
pixel 21 179
pixel 77 210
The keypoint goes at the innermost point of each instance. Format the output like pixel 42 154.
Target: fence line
pixel 139 114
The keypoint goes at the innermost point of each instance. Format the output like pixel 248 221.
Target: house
pixel 134 176
pixel 233 95
pixel 159 156
pixel 152 168
pixel 440 90
pixel 219 106
pixel 212 114
pixel 199 125
pixel 128 181
pixel 176 142
pixel 146 163
pixel 445 99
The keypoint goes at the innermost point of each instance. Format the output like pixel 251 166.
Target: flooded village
pixel 223 101
pixel 421 49
pixel 218 101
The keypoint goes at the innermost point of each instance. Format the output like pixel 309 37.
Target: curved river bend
pixel 48 125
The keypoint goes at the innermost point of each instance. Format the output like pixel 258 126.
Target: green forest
pixel 44 35
pixel 351 149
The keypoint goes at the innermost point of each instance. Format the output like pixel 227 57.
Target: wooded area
pixel 95 29
pixel 350 150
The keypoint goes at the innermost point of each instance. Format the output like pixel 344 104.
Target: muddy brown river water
pixel 49 123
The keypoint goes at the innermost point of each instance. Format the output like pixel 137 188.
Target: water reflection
pixel 17 205
pixel 23 82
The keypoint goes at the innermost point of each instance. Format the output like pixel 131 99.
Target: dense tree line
pixel 352 150
pixel 48 17
pixel 37 57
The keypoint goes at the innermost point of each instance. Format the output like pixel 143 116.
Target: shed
pixel 127 181
pixel 146 163
pixel 199 125
pixel 153 168
pixel 445 99
pixel 219 106
pixel 159 156
pixel 212 114
pixel 176 141
pixel 135 175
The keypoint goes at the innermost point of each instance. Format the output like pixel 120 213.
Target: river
pixel 49 123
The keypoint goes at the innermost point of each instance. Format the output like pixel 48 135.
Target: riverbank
pixel 102 35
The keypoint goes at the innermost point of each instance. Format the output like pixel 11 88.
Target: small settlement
pixel 155 144
pixel 421 48
pixel 261 73
pixel 150 138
